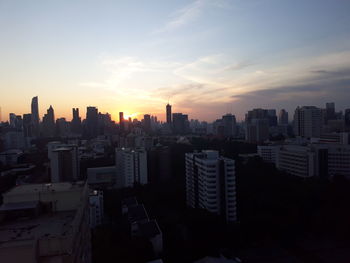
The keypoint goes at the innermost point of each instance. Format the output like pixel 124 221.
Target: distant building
pixel 308 121
pixel 102 177
pixel 229 124
pixel 283 117
pixel 48 124
pixel 91 122
pixel 211 183
pixel 330 111
pixel 121 122
pixel 35 116
pixel 76 122
pixel 45 223
pixel 257 125
pixel 64 163
pixel 131 165
pixel 168 113
pixel 147 123
pixel 268 153
pixel 180 123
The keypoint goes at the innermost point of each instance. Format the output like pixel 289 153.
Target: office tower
pixel 91 122
pixel 48 124
pixel 76 122
pixel 168 113
pixel 347 117
pixel 27 125
pixel 131 165
pixel 147 123
pixel 121 122
pixel 35 116
pixel 308 121
pixel 62 127
pixel 257 125
pixel 229 124
pixel 180 123
pixel 12 119
pixel 211 183
pixel 283 117
pixel 64 163
pixel 272 117
pixel 330 111
pixel 45 223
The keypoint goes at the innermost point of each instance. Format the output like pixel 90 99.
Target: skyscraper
pixel 147 123
pixel 121 122
pixel 257 125
pixel 27 125
pixel 229 124
pixel 308 121
pixel 91 122
pixel 35 116
pixel 211 183
pixel 76 122
pixel 283 117
pixel 180 123
pixel 330 111
pixel 48 123
pixel 168 113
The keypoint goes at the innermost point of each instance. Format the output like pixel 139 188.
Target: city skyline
pixel 208 58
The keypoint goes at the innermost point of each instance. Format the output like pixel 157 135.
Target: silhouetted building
pixel 48 123
pixel 330 111
pixel 347 117
pixel 283 117
pixel 91 122
pixel 76 122
pixel 229 124
pixel 27 125
pixel 168 113
pixel 180 123
pixel 121 122
pixel 147 123
pixel 35 116
pixel 307 121
pixel 211 183
pixel 62 127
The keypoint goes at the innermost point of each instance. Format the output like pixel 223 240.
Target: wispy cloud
pixel 190 13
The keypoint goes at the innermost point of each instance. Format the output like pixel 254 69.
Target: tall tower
pixel 121 121
pixel 35 115
pixel 168 113
pixel 91 122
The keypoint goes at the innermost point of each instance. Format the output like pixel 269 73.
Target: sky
pixel 206 57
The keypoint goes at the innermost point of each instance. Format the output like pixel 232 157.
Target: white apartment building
pixel 45 223
pixel 131 165
pixel 96 208
pixel 268 153
pixel 296 160
pixel 211 183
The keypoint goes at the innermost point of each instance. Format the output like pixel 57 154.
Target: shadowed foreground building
pixel 45 223
pixel 211 183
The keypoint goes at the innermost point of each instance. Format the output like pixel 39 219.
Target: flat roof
pixel 57 187
pixel 48 225
pixel 19 206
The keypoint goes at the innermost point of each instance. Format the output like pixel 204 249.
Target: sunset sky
pixel 207 57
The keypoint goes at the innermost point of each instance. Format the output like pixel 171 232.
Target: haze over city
pixel 207 57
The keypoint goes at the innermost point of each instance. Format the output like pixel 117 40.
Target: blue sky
pixel 207 57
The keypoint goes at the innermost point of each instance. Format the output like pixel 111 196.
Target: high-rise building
pixel 147 123
pixel 168 113
pixel 76 122
pixel 131 165
pixel 121 122
pixel 35 116
pixel 180 123
pixel 283 117
pixel 45 223
pixel 12 119
pixel 308 121
pixel 330 111
pixel 272 117
pixel 347 117
pixel 211 183
pixel 48 123
pixel 27 125
pixel 64 163
pixel 229 124
pixel 91 122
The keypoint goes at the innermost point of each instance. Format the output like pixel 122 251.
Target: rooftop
pixel 52 187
